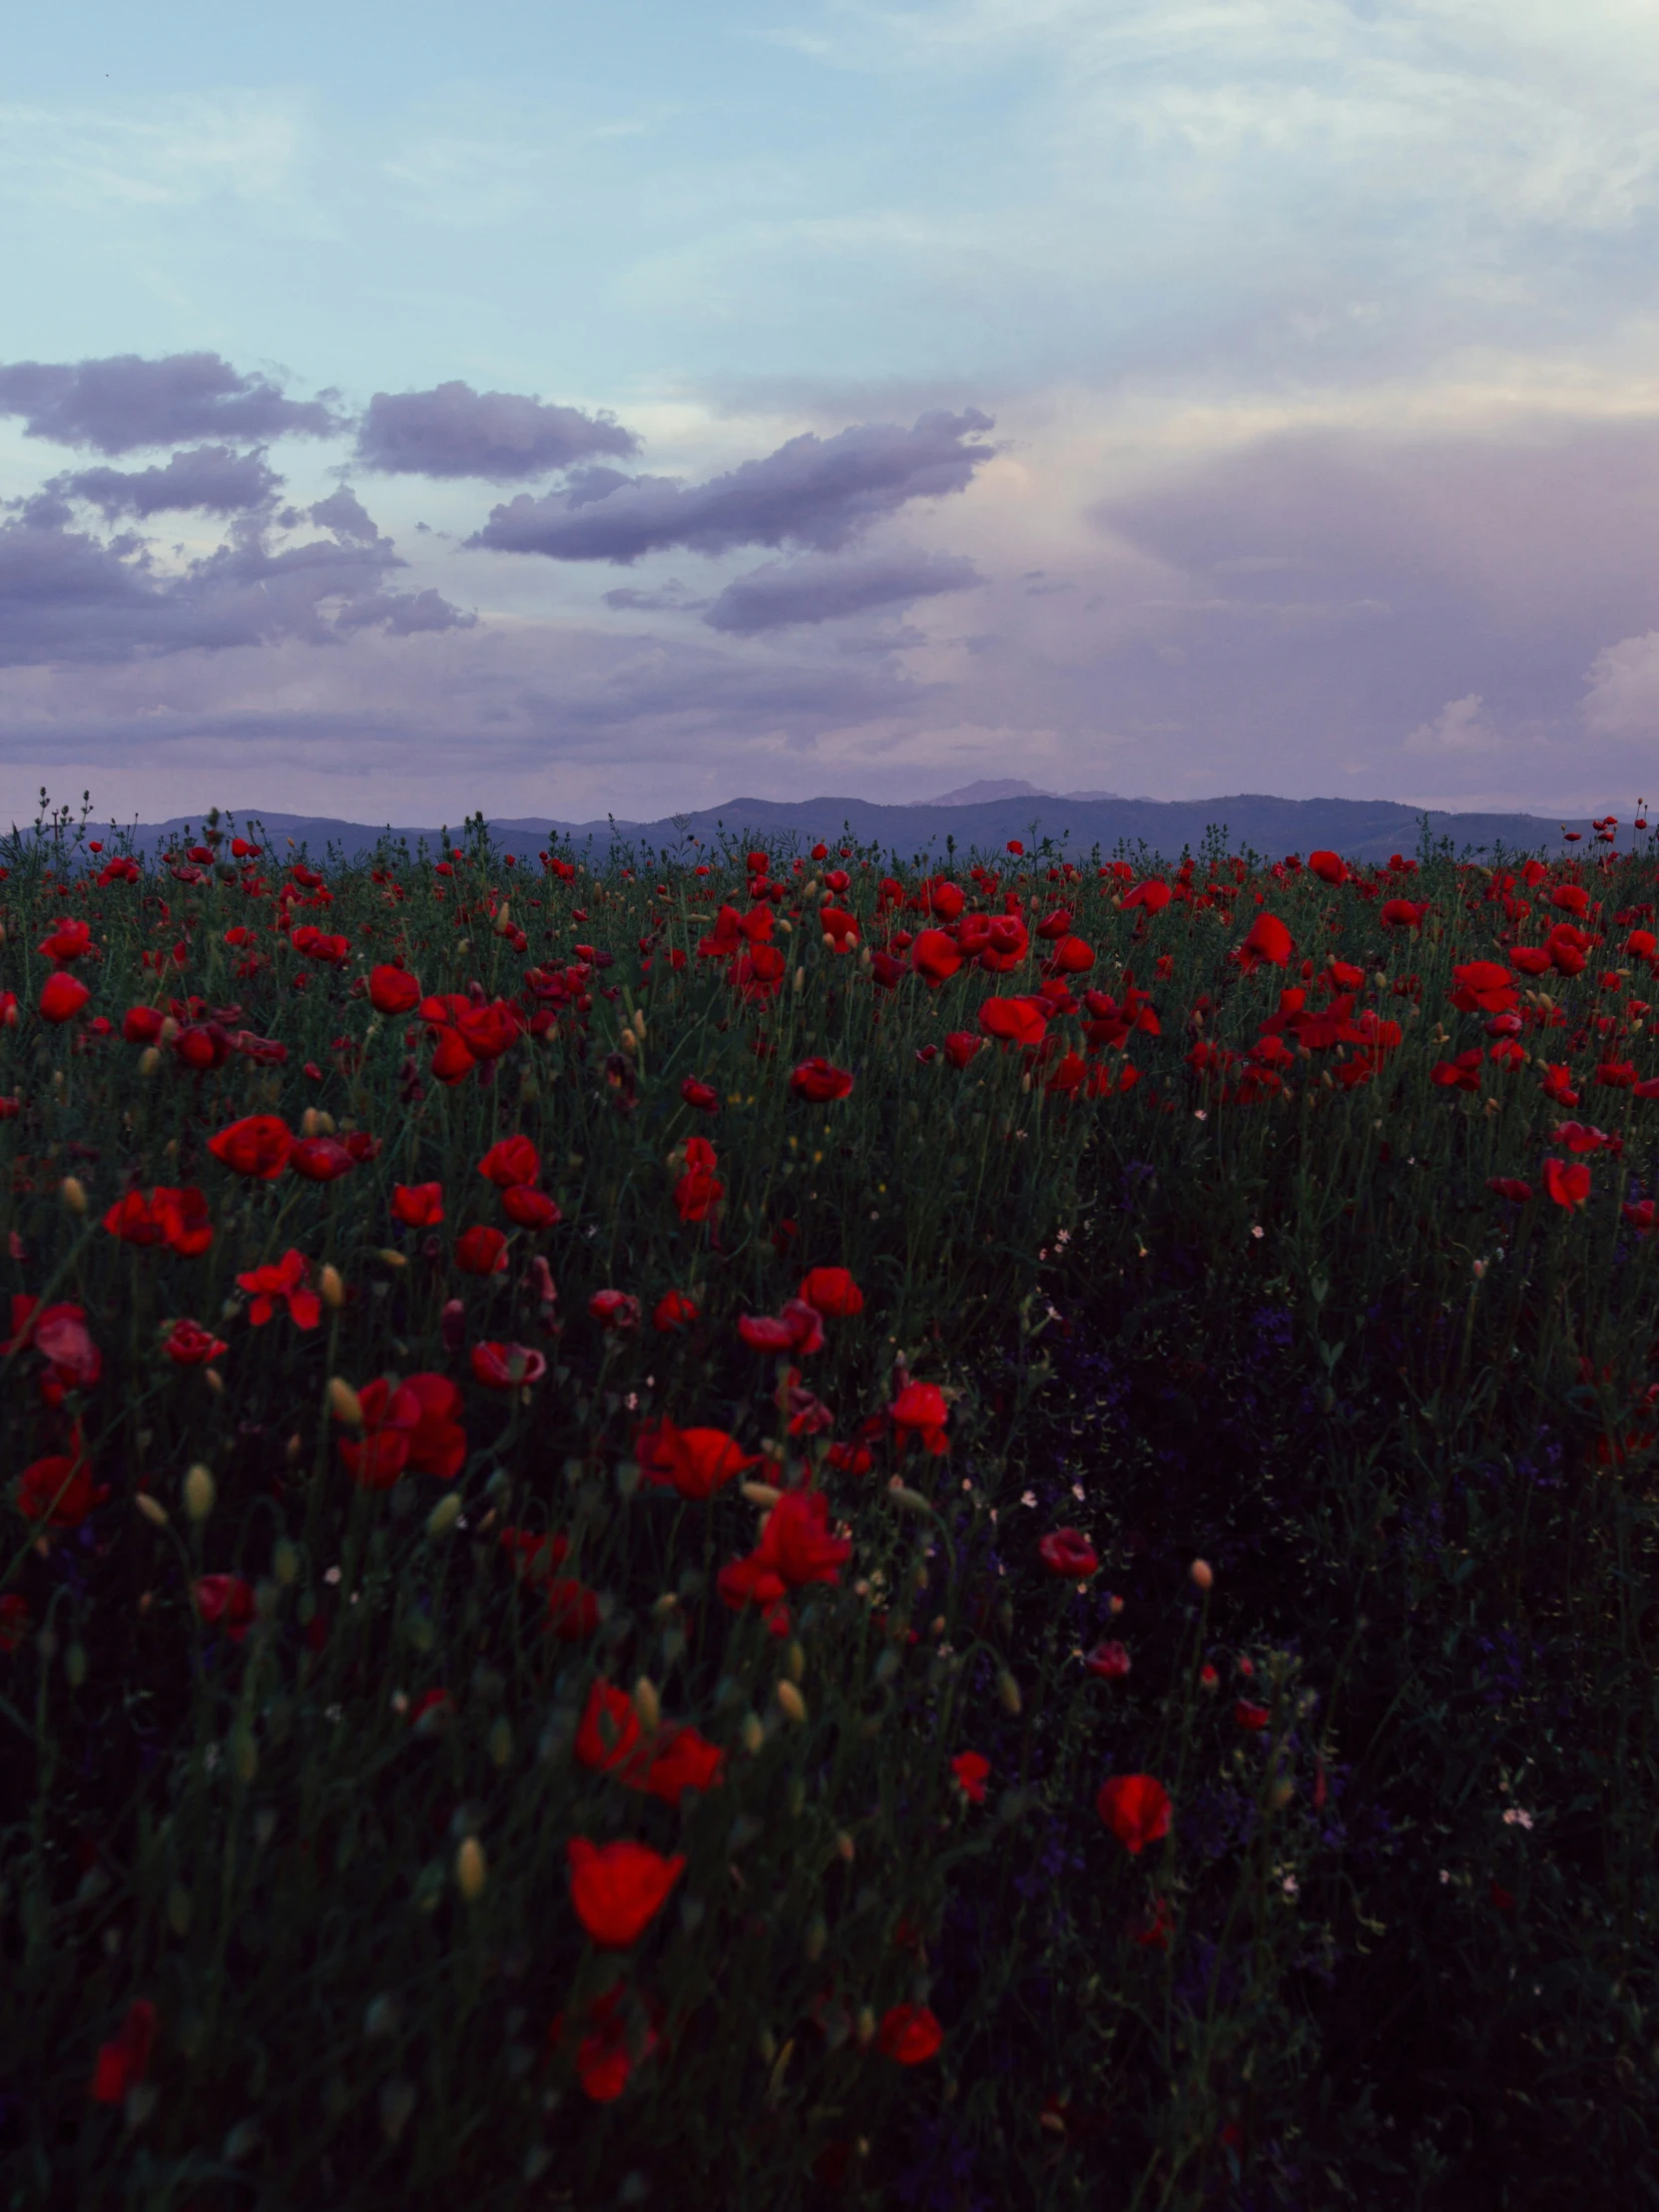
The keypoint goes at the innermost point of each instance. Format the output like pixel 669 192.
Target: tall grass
pixel 292 1756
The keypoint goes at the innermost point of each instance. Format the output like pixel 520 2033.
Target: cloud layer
pixel 812 491
pixel 122 403
pixel 818 588
pixel 502 436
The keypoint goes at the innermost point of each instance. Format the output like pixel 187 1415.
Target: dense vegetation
pixel 770 1528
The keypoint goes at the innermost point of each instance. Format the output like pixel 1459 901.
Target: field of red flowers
pixel 768 1528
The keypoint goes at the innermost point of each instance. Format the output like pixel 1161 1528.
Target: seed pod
pixel 790 1702
pixel 1202 1575
pixel 73 1192
pixel 331 1289
pixel 152 1508
pixel 1007 1689
pixel 648 1705
pixel 751 1732
pixel 472 1873
pixel 200 1492
pixel 344 1404
pixel 817 1934
pixel 864 2027
pixel 794 1661
pixel 443 1516
pixel 845 1847
pixel 149 1060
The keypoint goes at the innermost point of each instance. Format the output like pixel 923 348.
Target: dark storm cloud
pixel 812 491
pixel 67 595
pixel 123 403
pixel 817 589
pixel 502 436
pixel 213 478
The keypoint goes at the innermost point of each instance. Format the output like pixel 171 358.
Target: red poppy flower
pixel 188 1345
pixel 935 956
pixel 674 1309
pixel 674 1760
pixel 609 1729
pixel 513 1160
pixel 61 996
pixel 320 1160
pixel 698 1462
pixel 257 1146
pixel 1568 1184
pixel 1328 867
pixel 410 1426
pixel 530 1208
pixel 619 1888
pixel 481 1250
pixel 1570 898
pixel 818 1081
pixel 615 1310
pixel 501 1366
pixel 125 2059
pixel 1483 987
pixel 418 1205
pixel 1068 1552
pixel 178 1219
pixel 920 1411
pixel 796 1543
pixel 1135 1808
pixel 393 990
pixel 832 1292
pixel 607 2054
pixel 1153 895
pixel 59 1489
pixel 572 1609
pixel 283 1284
pixel 1269 942
pixel 699 1190
pixel 225 1601
pixel 971 1769
pixel 1462 1073
pixel 799 1329
pixel 1154 1932
pixel 1251 1717
pixel 67 942
pixel 910 2033
pixel 1071 957
pixel 1510 1186
pixel 960 1046
pixel 141 1024
pixel 1110 1661
pixel 699 1095
pixel 1021 1021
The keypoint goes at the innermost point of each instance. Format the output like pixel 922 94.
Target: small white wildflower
pixel 1028 1498
pixel 1516 1818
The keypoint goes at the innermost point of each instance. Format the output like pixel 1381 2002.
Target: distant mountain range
pixel 980 818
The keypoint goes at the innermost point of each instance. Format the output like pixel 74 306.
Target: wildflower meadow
pixel 802 1527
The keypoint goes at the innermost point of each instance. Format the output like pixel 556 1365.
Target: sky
pixel 560 410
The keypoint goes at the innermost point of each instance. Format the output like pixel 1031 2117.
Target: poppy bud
pixel 753 1734
pixel 73 1192
pixel 149 1060
pixel 504 919
pixel 152 1508
pixel 1007 1689
pixel 200 1492
pixel 763 1494
pixel 443 1516
pixel 629 1043
pixel 844 1845
pixel 390 1259
pixel 865 2028
pixel 285 1563
pixel 799 983
pixel 648 1705
pixel 331 1289
pixel 344 1404
pixel 471 1869
pixel 817 1934
pixel 1281 1793
pixel 790 1702
pixel 1202 1575
pixel 795 1660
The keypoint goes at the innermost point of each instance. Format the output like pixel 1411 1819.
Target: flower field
pixel 773 1529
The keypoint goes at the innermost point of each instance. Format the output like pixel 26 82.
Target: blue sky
pixel 1256 394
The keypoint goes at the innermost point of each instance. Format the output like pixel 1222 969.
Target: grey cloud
pixel 818 492
pixel 821 589
pixel 123 403
pixel 669 598
pixel 69 597
pixel 502 436
pixel 213 478
pixel 344 513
